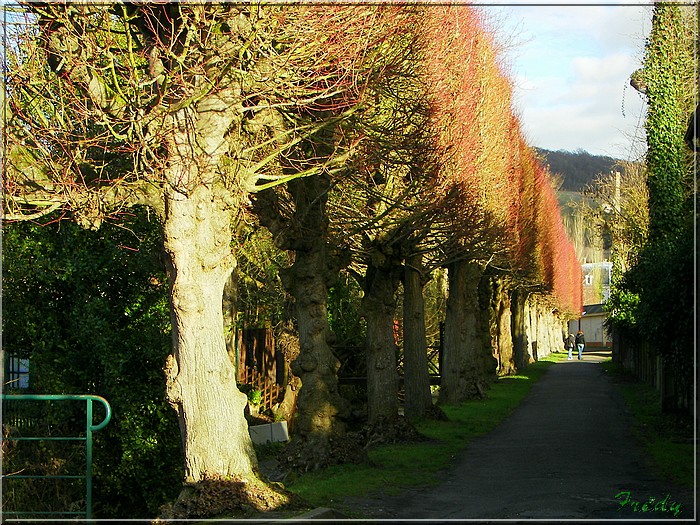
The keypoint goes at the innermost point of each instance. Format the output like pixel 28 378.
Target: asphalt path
pixel 566 453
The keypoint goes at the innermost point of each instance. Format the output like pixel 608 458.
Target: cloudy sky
pixel 571 66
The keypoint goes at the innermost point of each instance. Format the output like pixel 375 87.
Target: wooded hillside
pixel 577 168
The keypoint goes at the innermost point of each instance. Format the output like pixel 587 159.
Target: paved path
pixel 565 453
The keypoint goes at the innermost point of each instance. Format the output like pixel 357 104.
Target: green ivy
pixel 655 299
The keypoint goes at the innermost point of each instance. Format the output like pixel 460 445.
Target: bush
pixel 89 309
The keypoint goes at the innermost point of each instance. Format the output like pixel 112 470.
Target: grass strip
pixel 419 464
pixel 667 438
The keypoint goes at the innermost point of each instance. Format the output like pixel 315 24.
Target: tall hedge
pixel 663 276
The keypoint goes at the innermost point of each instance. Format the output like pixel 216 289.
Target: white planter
pixel 270 432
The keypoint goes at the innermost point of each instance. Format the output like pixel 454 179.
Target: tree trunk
pixel 320 408
pixel 542 328
pixel 382 377
pixel 287 349
pixel 533 326
pixel 527 330
pixel 201 380
pixel 464 374
pixel 519 328
pixel 197 232
pixel 503 321
pixel 454 348
pixel 416 378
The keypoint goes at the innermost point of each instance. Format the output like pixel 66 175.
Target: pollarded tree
pixel 472 121
pixel 496 178
pixel 549 281
pixel 297 216
pixel 384 213
pixel 562 271
pixel 620 208
pixel 176 106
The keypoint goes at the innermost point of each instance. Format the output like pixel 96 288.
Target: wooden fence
pixel 259 365
pixel 270 392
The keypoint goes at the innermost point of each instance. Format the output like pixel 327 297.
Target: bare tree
pixel 619 207
pixel 297 216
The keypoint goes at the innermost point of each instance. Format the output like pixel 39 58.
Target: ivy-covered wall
pixel 655 301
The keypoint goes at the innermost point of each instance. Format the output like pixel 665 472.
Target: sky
pixel 570 65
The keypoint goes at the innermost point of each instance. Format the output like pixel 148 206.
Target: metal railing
pixel 89 429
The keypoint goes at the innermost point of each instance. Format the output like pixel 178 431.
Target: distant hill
pixel 578 168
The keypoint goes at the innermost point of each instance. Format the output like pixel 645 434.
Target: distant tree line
pixel 577 168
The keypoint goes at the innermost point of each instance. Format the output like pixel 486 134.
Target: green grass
pixel 420 464
pixel 666 438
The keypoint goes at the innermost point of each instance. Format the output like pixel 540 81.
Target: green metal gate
pixel 87 438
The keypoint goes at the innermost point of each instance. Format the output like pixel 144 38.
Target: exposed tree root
pixel 389 431
pixel 228 497
pixel 312 454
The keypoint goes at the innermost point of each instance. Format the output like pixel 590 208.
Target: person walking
pixel 580 343
pixel 569 344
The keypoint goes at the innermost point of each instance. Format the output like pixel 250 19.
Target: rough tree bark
pixel 201 380
pixel 320 408
pixel 519 328
pixel 229 313
pixel 501 319
pixel 197 231
pixel 463 371
pixel 533 326
pixel 287 343
pixel 379 305
pixel 527 330
pixel 416 378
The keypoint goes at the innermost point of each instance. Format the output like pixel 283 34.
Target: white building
pixel 596 282
pixel 592 325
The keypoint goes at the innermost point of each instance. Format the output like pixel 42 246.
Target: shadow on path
pixel 566 453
